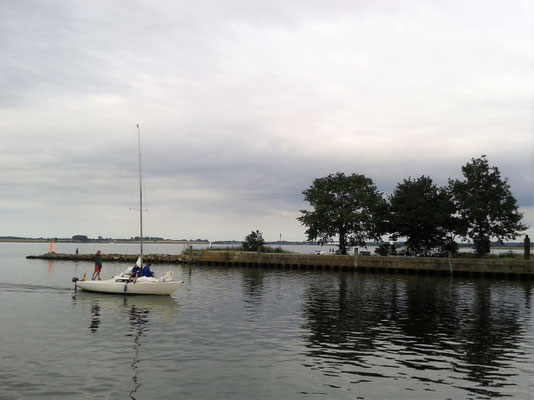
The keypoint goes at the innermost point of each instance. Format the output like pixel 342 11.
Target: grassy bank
pixel 265 249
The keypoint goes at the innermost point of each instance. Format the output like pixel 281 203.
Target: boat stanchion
pixel 75 286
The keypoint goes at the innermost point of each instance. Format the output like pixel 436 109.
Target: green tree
pixel 346 207
pixel 423 214
pixel 486 205
pixel 254 241
pixel 80 238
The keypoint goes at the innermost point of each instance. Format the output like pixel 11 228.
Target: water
pixel 170 248
pixel 252 333
pixel 178 248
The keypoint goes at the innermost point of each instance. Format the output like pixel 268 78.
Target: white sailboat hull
pixel 119 285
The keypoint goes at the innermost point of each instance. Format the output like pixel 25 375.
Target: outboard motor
pixel 75 280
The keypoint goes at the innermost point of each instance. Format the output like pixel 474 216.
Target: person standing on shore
pixel 98 266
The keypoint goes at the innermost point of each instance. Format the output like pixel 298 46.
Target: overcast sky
pixel 243 103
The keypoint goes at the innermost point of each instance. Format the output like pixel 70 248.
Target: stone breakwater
pixel 120 258
pixel 425 265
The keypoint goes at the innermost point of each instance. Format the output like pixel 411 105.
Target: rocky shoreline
pixel 122 258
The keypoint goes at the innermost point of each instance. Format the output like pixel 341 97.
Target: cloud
pixel 242 105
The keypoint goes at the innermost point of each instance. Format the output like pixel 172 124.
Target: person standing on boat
pixel 98 265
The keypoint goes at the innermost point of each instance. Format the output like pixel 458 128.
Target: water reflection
pixel 138 325
pixel 489 333
pixel 432 328
pixel 95 318
pixel 253 286
pixel 138 310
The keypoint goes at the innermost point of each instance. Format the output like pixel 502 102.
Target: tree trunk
pixel 482 245
pixel 342 243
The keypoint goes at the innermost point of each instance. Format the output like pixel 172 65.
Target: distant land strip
pixel 15 239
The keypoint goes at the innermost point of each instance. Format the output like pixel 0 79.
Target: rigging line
pixel 140 196
pixel 530 209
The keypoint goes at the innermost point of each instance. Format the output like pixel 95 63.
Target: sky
pixel 242 104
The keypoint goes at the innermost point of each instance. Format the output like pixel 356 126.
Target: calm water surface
pixel 251 333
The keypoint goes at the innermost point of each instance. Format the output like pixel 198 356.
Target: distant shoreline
pixel 509 246
pixel 148 241
pixel 99 241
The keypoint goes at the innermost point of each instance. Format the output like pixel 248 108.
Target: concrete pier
pixel 426 265
pixel 448 266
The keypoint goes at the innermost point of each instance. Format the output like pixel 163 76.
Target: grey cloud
pixel 242 105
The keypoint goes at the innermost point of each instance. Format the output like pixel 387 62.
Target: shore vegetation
pixel 428 218
pixel 264 249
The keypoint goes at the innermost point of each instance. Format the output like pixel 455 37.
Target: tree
pixel 254 241
pixel 423 213
pixel 346 207
pixel 80 238
pixel 486 205
pixel 386 249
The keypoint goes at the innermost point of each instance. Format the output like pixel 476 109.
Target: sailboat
pixel 123 283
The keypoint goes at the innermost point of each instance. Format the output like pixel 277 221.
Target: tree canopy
pixel 421 212
pixel 352 210
pixel 80 238
pixel 485 205
pixel 254 241
pixel 345 207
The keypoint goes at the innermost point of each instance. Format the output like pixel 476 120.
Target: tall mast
pixel 140 199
